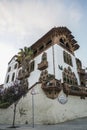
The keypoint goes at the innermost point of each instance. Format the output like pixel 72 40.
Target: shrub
pixel 4 105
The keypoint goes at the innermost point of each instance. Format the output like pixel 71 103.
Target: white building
pixel 59 46
pixel 53 68
pixel 11 74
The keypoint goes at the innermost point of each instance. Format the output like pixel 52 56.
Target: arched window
pixel 71 81
pixel 7 79
pixel 41 48
pixel 15 66
pixel 13 76
pixel 70 61
pixel 61 40
pixel 67 58
pixel 64 77
pixel 9 69
pixel 67 79
pixel 67 45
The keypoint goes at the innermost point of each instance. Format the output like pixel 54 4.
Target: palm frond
pixel 24 54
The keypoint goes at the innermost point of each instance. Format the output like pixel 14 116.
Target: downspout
pixel 53 60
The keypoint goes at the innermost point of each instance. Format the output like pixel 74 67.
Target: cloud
pixel 6 53
pixel 22 22
pixel 21 17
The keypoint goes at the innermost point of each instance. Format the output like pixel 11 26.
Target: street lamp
pixel 13 124
pixel 33 93
pixel 15 105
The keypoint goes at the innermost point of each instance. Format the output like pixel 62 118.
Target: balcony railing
pixel 81 71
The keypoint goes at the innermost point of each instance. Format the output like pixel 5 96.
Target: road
pixel 77 124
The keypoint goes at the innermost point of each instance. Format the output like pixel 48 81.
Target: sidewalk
pixel 77 124
pixel 46 127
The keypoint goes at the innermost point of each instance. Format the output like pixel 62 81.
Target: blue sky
pixel 22 22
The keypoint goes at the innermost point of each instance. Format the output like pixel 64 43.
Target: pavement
pixel 77 124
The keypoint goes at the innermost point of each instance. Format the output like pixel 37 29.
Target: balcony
pixel 43 65
pixel 52 88
pixel 81 71
pixel 22 75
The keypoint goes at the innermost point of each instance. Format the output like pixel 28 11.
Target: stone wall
pixel 46 111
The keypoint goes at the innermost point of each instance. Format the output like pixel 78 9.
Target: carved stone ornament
pixel 50 85
pixel 62 98
pixel 44 63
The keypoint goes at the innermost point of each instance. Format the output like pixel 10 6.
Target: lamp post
pixel 15 105
pixel 33 93
pixel 13 124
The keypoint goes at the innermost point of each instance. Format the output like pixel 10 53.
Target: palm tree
pixel 23 59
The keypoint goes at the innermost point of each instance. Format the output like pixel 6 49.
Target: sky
pixel 23 22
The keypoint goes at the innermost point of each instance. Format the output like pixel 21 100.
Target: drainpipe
pixel 53 60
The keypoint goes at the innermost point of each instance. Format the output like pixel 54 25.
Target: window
pixel 61 40
pixel 71 81
pixel 41 48
pixel 7 79
pixel 79 64
pixel 70 61
pixel 35 52
pixel 67 45
pixel 32 64
pixel 64 77
pixel 67 58
pixel 13 76
pixel 49 42
pixel 15 66
pixel 69 77
pixel 9 69
pixel 76 81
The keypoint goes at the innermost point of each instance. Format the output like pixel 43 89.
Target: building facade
pixel 11 73
pixel 53 57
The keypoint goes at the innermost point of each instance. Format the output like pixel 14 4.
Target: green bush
pixel 4 105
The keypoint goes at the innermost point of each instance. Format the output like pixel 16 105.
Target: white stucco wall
pixel 58 58
pixel 46 111
pixel 12 65
pixel 34 76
